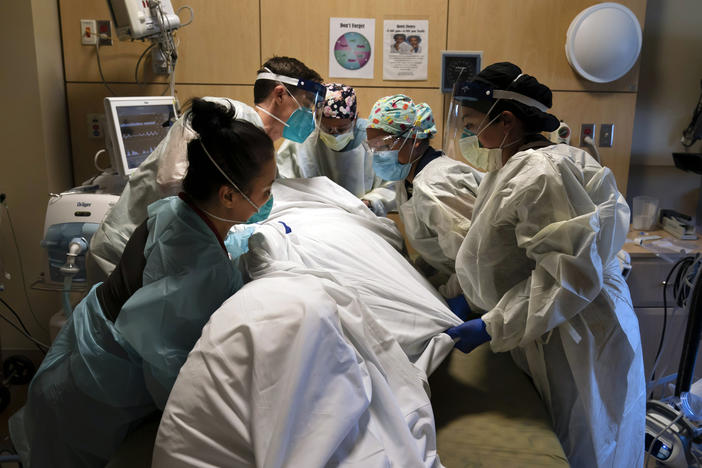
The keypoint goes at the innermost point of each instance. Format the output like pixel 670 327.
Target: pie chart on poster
pixel 352 50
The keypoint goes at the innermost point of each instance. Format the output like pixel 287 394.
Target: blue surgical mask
pixel 299 125
pixel 263 212
pixel 387 166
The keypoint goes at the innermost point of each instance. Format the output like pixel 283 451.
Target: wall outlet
pixel 104 29
pixel 587 130
pixel 606 135
pixel 88 32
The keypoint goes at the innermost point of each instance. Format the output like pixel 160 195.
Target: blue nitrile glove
pixel 470 334
pixel 459 306
pixel 237 241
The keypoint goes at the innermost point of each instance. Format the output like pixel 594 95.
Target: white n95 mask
pixel 336 142
pixel 483 159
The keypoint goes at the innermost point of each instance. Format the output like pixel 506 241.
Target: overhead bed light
pixel 603 42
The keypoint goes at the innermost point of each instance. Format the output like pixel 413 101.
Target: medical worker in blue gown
pixel 117 357
pixel 336 150
pixel 539 261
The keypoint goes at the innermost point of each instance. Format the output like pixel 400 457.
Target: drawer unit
pixel 646 281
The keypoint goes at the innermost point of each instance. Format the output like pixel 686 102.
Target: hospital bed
pixel 341 287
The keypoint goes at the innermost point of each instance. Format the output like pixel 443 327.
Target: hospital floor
pixel 19 393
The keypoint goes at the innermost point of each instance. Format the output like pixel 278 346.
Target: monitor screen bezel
pixel 112 104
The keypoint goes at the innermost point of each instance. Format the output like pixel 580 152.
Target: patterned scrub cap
pixel 398 115
pixel 340 102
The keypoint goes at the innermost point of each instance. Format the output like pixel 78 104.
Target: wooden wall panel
pixel 532 34
pixel 221 50
pixel 618 108
pixel 87 98
pixel 301 29
pixel 221 45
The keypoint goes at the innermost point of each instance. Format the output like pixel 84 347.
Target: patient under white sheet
pixel 322 359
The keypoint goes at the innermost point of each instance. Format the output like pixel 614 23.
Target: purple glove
pixel 470 334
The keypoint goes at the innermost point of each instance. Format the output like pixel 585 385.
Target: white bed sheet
pixel 322 359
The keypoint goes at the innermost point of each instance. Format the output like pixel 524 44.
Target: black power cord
pixel 679 270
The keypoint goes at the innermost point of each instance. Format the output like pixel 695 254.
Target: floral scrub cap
pixel 398 115
pixel 340 102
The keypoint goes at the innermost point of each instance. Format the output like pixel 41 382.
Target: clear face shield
pixel 464 94
pixel 470 100
pixel 309 97
pixel 386 155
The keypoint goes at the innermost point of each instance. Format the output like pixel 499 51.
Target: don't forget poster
pixel 351 44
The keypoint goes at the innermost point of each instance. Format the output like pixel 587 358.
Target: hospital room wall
pixel 669 87
pixel 221 50
pixel 219 54
pixel 35 154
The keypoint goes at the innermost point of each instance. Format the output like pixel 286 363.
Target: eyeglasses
pixel 384 143
pixel 336 130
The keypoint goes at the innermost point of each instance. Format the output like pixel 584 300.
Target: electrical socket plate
pixel 606 135
pixel 104 27
pixel 96 122
pixel 587 129
pixel 88 32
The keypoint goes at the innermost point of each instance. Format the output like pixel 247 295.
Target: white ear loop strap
pixel 226 176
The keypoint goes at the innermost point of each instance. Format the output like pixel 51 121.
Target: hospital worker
pixel 540 261
pixel 285 95
pixel 335 150
pixel 435 193
pixel 116 359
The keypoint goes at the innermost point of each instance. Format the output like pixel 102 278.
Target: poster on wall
pixel 351 47
pixel 405 49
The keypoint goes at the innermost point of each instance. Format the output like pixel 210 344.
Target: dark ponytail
pixel 239 147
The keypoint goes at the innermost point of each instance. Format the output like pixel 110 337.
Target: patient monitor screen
pixel 142 128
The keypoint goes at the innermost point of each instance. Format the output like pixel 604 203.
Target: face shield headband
pixel 476 92
pixel 303 120
pixel 312 87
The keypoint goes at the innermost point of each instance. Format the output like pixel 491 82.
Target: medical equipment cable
pixel 681 267
pixel 172 54
pixel 95 163
pixel 655 439
pixel 19 256
pixel 192 15
pixel 591 143
pixel 15 314
pixel 97 52
pixel 141 57
pixel 665 303
pixel 40 346
pixel 694 455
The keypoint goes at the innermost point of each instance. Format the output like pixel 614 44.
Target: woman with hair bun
pixel 115 361
pixel 539 263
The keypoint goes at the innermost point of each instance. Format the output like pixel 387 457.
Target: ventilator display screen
pixel 142 128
